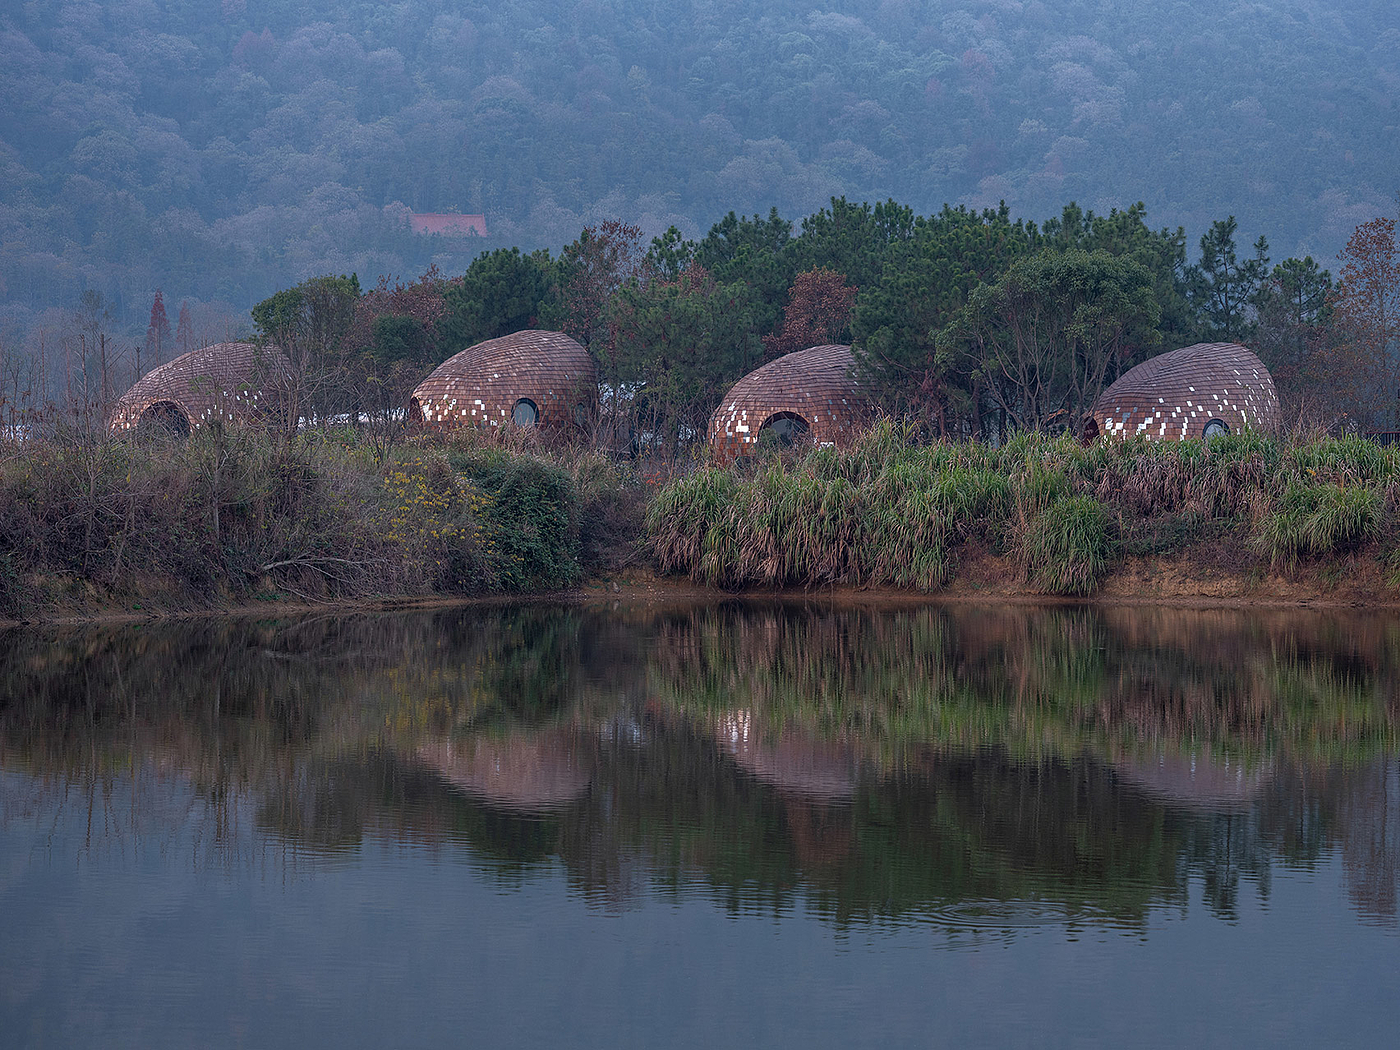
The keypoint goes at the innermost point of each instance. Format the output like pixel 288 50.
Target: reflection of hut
pixel 792 762
pixel 226 381
pixel 529 378
pixel 527 772
pixel 806 396
pixel 1196 781
pixel 1197 391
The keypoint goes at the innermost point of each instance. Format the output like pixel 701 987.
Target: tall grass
pixel 1317 520
pixel 891 511
pixel 1067 547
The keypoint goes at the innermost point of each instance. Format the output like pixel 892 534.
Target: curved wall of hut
pixel 530 378
pixel 1196 392
pixel 225 381
pixel 808 396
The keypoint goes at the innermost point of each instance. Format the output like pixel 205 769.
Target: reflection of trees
pixel 873 764
pixel 1045 681
pixel 259 716
pixel 1368 823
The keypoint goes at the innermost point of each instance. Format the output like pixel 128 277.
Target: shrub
pixel 530 533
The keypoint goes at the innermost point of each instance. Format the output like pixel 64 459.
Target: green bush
pixel 530 527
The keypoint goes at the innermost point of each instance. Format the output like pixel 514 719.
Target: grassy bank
pixel 892 512
pixel 89 524
pixel 238 515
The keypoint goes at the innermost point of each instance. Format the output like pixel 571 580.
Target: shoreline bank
pixel 983 579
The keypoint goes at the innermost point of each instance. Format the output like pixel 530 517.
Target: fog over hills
pixel 221 149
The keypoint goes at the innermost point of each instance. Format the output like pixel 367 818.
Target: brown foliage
pixel 1362 367
pixel 819 310
pixel 600 262
pixel 425 300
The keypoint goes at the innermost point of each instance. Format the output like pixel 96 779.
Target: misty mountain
pixel 220 149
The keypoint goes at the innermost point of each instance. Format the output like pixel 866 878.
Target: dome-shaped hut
pixel 1195 392
pixel 225 381
pixel 530 378
pixel 806 396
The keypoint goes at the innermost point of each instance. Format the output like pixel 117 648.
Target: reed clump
pixel 1068 546
pixel 1317 520
pixel 892 510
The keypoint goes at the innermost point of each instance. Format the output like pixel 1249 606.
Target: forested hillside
pixel 221 149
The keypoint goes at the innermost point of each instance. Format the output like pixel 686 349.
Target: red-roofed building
pixel 448 225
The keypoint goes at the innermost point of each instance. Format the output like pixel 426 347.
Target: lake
pixel 735 824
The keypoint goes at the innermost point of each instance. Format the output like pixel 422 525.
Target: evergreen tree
pixel 1046 334
pixel 502 292
pixel 681 343
pixel 1224 289
pixel 922 287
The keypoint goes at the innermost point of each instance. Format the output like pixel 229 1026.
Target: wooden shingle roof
pixel 225 381
pixel 483 383
pixel 815 385
pixel 1174 395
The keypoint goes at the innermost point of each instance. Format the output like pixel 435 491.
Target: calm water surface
pixel 735 825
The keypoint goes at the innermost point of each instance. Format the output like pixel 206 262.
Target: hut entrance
pixel 525 414
pixel 784 430
pixel 416 412
pixel 1089 431
pixel 163 419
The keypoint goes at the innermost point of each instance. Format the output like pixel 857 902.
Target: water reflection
pixel 991 767
pixel 525 771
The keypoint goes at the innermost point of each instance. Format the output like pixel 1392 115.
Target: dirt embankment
pixel 1204 577
pixel 1181 581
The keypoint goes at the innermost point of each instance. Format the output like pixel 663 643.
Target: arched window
pixel 164 418
pixel 525 414
pixel 784 429
pixel 1215 428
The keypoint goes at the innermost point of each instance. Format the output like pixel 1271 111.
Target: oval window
pixel 525 414
pixel 1215 428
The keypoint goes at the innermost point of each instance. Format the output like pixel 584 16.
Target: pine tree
pixel 1222 287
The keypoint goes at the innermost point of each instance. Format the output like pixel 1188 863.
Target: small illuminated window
pixel 525 414
pixel 1216 428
